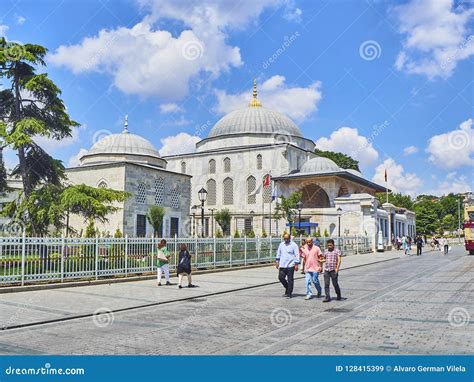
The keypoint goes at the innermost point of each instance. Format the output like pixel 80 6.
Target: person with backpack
pixel 162 263
pixel 184 266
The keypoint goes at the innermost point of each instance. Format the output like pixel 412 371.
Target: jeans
pixel 328 276
pixel 285 274
pixel 418 250
pixel 163 269
pixel 446 249
pixel 312 277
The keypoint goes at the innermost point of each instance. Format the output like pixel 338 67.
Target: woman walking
pixel 184 266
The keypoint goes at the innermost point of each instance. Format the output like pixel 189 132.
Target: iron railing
pixel 58 259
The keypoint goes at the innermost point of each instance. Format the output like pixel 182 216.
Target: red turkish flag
pixel 266 180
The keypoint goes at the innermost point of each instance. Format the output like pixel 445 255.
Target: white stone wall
pixel 175 186
pixel 113 176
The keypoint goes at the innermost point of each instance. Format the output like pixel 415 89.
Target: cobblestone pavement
pixel 410 305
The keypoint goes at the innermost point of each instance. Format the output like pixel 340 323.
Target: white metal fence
pixel 37 259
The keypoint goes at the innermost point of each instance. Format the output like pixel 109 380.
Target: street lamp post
pixel 339 213
pixel 459 220
pixel 299 207
pixel 202 197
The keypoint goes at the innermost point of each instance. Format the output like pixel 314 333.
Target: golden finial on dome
pixel 255 102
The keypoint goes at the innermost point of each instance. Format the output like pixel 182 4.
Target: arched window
pixel 159 191
pixel 140 196
pixel 183 167
pixel 102 184
pixel 227 165
pixel 228 191
pixel 315 197
pixel 251 185
pixel 211 192
pixel 212 166
pixel 267 192
pixel 259 162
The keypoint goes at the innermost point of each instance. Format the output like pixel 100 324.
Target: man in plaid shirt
pixel 332 264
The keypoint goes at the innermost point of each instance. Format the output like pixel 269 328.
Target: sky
pixel 388 82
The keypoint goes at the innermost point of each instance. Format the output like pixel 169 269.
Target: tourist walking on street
pixel 303 244
pixel 163 257
pixel 419 245
pixel 287 260
pixel 405 245
pixel 445 242
pixel 184 266
pixel 312 267
pixel 332 263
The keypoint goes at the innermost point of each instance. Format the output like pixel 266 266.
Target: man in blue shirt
pixel 287 260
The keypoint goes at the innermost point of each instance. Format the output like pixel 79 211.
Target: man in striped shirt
pixel 332 263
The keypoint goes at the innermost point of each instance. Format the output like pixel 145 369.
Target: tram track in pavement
pixel 163 303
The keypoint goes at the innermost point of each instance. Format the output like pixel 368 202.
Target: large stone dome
pixel 255 120
pixel 319 165
pixel 123 147
pixel 254 125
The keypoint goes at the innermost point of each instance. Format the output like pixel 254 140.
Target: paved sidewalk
pixel 22 308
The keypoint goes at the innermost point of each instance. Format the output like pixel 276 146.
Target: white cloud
pixel 296 102
pixel 454 148
pixel 181 143
pixel 348 141
pixel 149 61
pixel 453 183
pixel 3 30
pixel 166 108
pixel 20 20
pixel 50 144
pixel 397 179
pixel 410 150
pixel 74 161
pixel 437 36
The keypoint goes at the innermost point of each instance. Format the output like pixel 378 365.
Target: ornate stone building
pixel 248 144
pixel 128 162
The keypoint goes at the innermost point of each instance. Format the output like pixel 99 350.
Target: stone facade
pixel 147 185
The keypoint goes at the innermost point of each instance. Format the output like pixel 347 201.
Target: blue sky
pixel 390 83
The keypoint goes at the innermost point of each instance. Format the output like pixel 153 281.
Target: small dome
pixel 354 172
pixel 255 120
pixel 123 147
pixel 319 165
pixel 124 143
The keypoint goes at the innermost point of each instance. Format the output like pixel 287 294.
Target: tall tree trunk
pixel 27 189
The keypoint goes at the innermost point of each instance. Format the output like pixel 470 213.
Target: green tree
pixel 318 232
pixel 326 233
pixel 286 208
pixel 342 160
pixel 91 202
pixel 155 217
pixel 427 216
pixel 397 199
pixel 449 223
pixel 236 234
pixel 31 108
pixel 223 219
pixel 90 229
